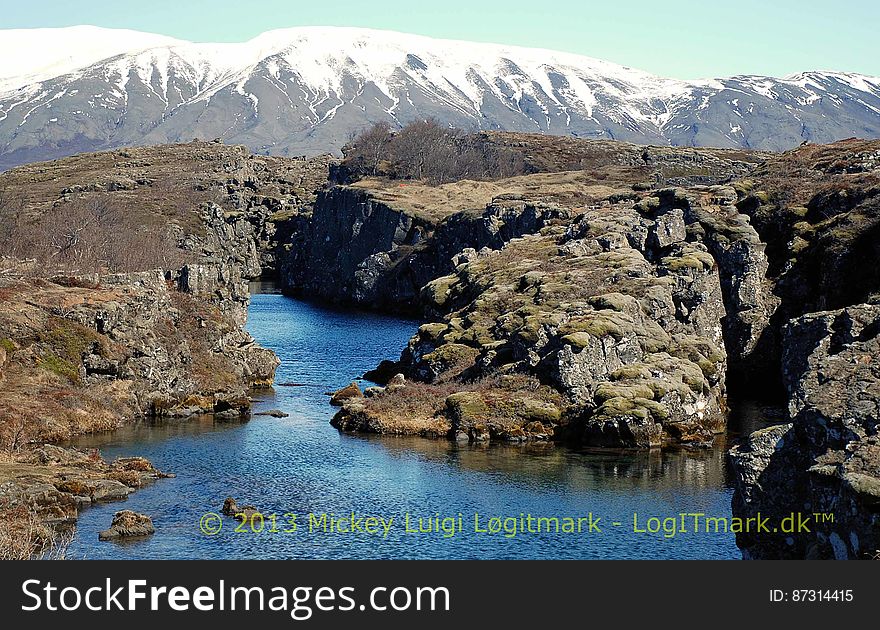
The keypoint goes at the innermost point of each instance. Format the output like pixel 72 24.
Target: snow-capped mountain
pixel 307 90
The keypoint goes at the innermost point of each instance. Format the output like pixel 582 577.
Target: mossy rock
pixel 630 390
pixel 648 205
pixel 466 408
pixel 798 245
pixel 432 332
pixel 743 187
pixel 531 410
pixel 700 351
pixel 281 216
pixel 657 410
pixel 349 392
pixel 640 408
pixel 477 336
pixel 437 292
pixel 450 355
pixel 578 340
pixel 631 372
pixel 697 261
pixel 614 302
pixel 599 324
pixel 8 345
pixel 51 362
pixel 617 407
pixel 531 279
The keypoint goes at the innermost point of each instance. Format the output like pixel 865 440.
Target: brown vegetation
pixel 426 150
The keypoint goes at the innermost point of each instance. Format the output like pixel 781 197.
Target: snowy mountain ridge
pixel 307 89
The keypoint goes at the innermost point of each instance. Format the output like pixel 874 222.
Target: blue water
pixel 300 464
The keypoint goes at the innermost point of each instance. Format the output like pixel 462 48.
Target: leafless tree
pixel 89 235
pixel 429 151
pixel 370 149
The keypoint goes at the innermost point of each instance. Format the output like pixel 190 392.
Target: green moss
pixel 701 352
pixel 699 261
pixel 630 390
pixel 616 407
pixel 68 340
pixel 657 410
pixel 55 364
pixel 439 290
pixel 466 407
pixel 652 337
pixel 798 245
pixel 613 301
pixel 578 340
pixel 532 410
pixel 530 279
pixel 451 355
pixel 743 187
pixel 8 345
pixel 647 205
pixel 598 324
pixel 633 371
pixel 281 216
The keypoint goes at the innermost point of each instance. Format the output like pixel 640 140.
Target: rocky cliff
pixel 610 297
pixel 617 319
pixel 362 250
pixel 376 242
pixel 124 290
pixel 817 208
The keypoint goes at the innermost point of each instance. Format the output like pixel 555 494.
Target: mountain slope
pixel 307 90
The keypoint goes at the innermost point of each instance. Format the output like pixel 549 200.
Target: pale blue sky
pixel 678 38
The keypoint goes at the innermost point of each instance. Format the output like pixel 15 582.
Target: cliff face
pixel 88 353
pixel 828 459
pixel 617 316
pixel 817 208
pixel 359 249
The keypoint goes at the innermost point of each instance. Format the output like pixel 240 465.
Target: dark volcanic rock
pixel 359 249
pixel 621 318
pixel 828 459
pixel 240 513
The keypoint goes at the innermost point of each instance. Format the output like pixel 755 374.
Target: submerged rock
pixel 240 513
pixel 274 413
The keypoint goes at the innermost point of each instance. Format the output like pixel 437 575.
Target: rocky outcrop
pixel 88 353
pixel 359 249
pixel 128 524
pixel 621 319
pixel 817 210
pixel 239 513
pixel 50 485
pixel 828 459
pixel 348 392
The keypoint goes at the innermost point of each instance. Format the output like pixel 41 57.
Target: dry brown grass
pixel 434 203
pixel 24 535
